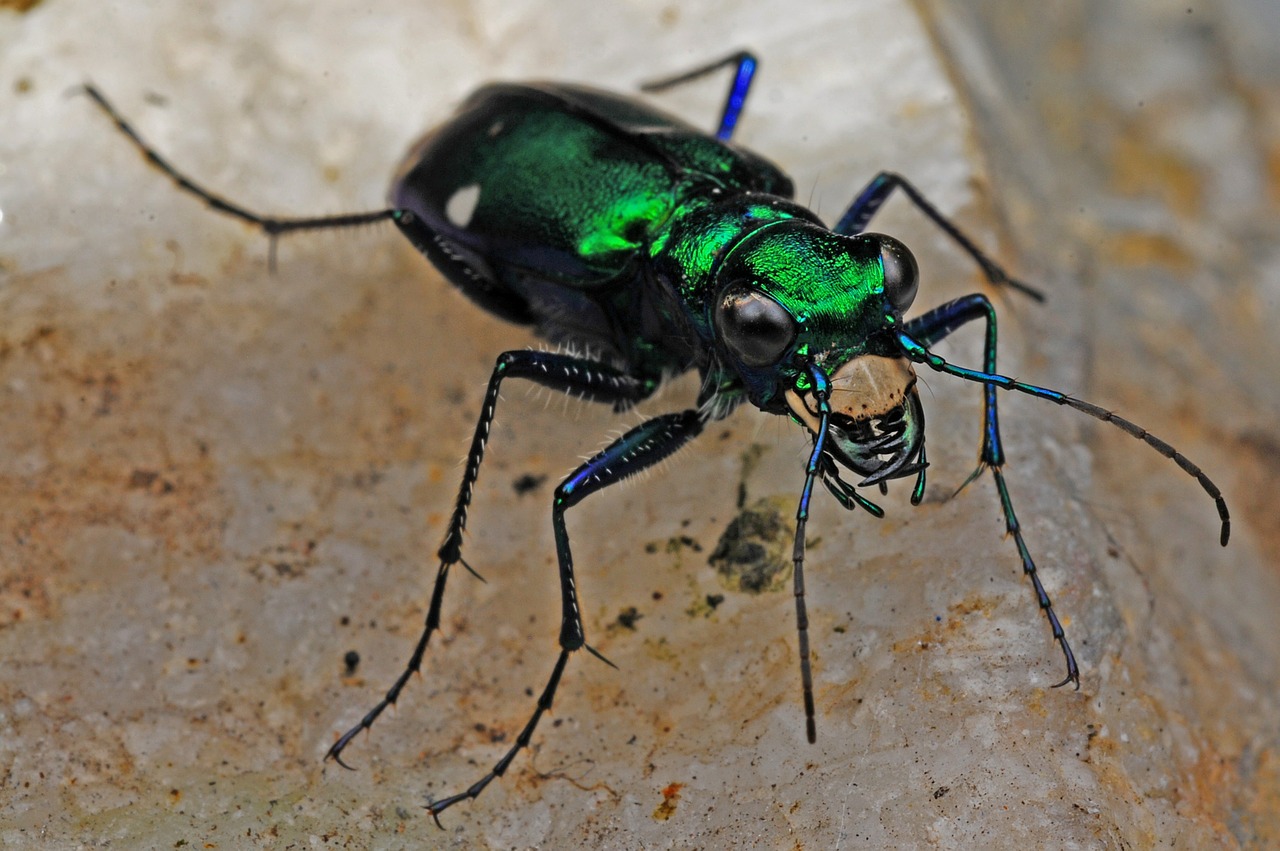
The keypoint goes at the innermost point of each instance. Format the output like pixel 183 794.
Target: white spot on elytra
pixel 461 205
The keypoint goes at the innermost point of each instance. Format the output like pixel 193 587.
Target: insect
pixel 614 228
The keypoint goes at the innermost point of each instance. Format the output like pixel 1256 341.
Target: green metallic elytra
pixel 612 226
pixel 652 249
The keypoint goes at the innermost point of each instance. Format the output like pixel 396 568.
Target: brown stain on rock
pixel 1141 168
pixel 670 797
pixel 95 454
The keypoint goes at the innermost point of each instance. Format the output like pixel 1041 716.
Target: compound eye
pixel 901 275
pixel 757 329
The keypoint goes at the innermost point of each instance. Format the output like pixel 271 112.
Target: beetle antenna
pixel 273 227
pixel 921 355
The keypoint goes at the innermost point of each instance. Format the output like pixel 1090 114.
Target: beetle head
pixel 799 297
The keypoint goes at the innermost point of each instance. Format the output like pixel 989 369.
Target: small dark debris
pixel 750 460
pixel 149 480
pixel 627 617
pixel 681 542
pixel 108 396
pixel 351 661
pixel 528 483
pixel 142 478
pixel 754 553
pixel 940 791
pixel 492 733
pixel 714 601
pixel 367 480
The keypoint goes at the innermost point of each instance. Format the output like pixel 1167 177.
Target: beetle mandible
pixel 614 228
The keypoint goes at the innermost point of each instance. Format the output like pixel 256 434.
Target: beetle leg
pixel 938 323
pixel 273 227
pixel 746 65
pixel 821 394
pixel 642 447
pixel 468 269
pixel 873 196
pixel 928 329
pixel 585 378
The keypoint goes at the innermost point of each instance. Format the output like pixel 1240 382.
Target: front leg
pixel 914 340
pixel 936 325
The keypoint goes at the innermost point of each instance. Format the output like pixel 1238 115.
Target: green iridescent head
pixel 792 296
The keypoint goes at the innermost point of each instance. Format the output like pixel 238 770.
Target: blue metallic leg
pixel 874 195
pixel 821 390
pixel 642 447
pixel 940 323
pixel 928 329
pixel 915 339
pixel 272 227
pixel 745 64
pixel 582 377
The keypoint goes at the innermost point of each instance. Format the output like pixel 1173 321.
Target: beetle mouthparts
pixel 882 447
pixel 876 424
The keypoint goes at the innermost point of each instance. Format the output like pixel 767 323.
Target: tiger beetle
pixel 613 228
